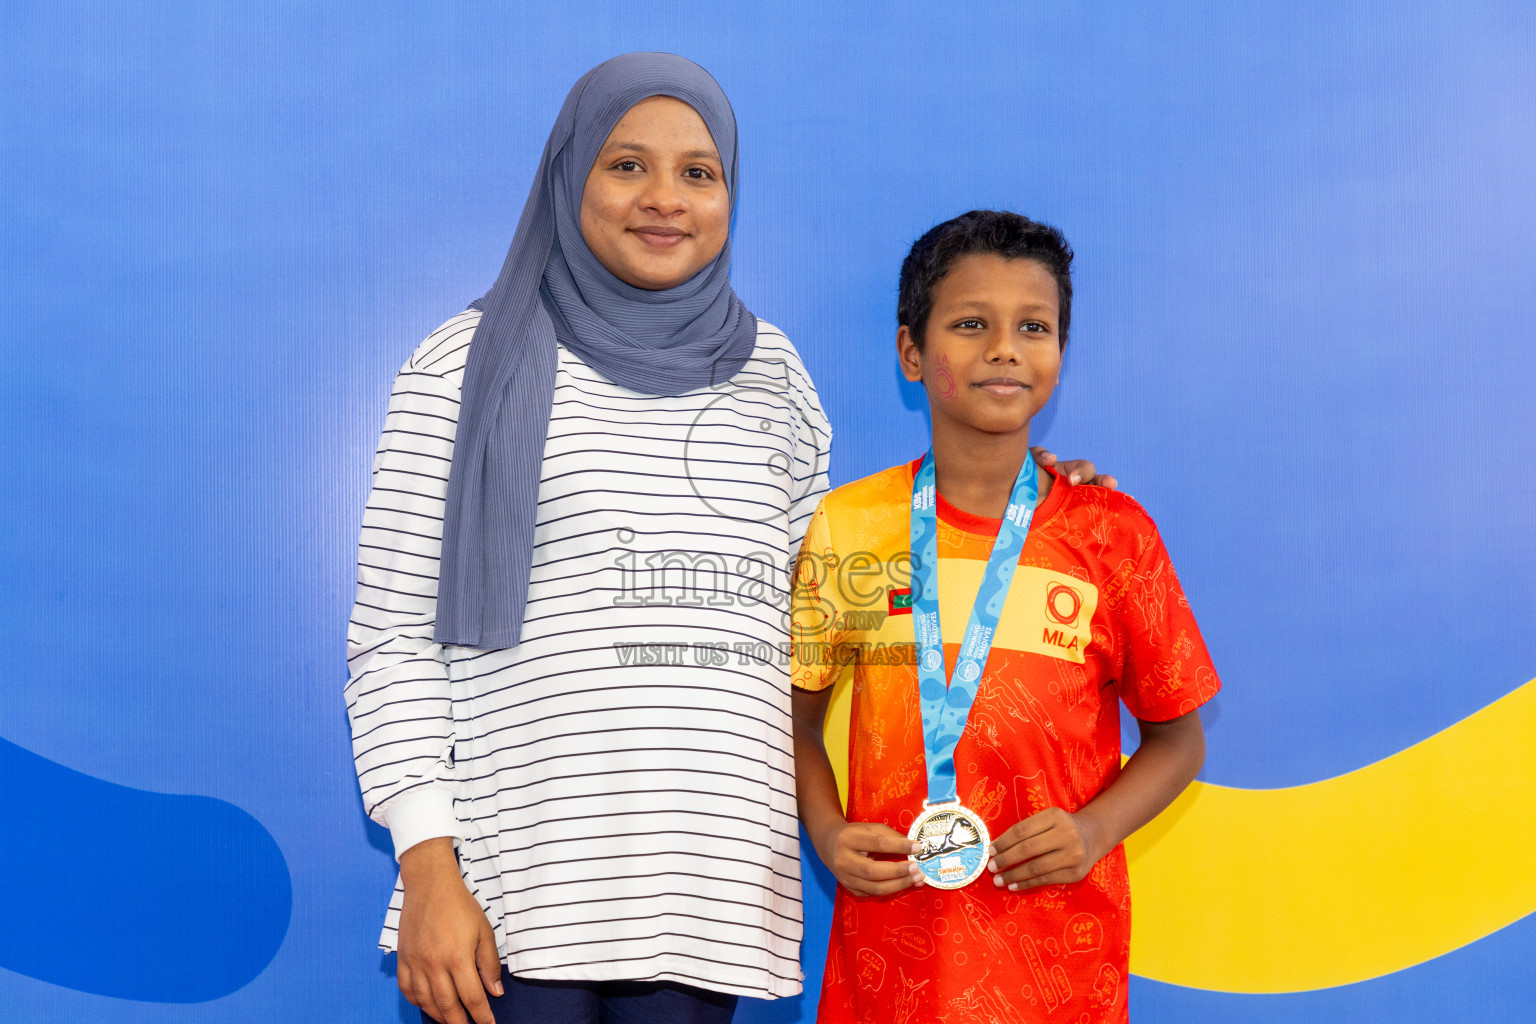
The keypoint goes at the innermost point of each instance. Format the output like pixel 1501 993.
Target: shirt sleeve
pixel 397 691
pixel 816 639
pixel 1167 670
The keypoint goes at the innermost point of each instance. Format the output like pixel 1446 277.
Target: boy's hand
pixel 1048 848
pixel 847 852
pixel 1079 471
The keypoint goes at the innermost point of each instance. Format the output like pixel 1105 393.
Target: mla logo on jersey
pixel 1054 614
pixel 1063 607
pixel 1063 604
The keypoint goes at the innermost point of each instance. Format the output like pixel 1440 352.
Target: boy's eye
pixel 971 324
pixel 1034 326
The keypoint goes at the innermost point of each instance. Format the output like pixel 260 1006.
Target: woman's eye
pixel 699 174
pixel 626 165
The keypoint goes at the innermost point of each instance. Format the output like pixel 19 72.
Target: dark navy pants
pixel 606 1002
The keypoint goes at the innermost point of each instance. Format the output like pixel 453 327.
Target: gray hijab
pixel 667 342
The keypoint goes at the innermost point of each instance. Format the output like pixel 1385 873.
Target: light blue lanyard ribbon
pixel 945 708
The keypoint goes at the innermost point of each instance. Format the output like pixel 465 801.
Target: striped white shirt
pixel 621 783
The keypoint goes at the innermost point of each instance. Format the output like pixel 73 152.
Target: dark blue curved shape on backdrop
pixel 126 893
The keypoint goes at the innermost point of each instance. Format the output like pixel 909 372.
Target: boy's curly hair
pixel 1009 235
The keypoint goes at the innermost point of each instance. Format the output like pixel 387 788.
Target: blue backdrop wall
pixel 1306 238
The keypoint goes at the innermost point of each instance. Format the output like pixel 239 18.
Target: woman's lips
pixel 660 238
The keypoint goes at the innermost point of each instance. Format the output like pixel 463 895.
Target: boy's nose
pixel 1001 348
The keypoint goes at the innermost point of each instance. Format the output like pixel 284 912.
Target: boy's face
pixel 991 355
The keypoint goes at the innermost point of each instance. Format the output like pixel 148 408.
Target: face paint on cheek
pixel 943 379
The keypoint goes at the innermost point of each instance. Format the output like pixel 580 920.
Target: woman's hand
pixel 846 849
pixel 1052 847
pixel 448 958
pixel 1078 471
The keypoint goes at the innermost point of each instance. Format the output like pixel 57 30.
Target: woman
pixel 567 696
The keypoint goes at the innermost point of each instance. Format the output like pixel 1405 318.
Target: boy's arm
pixel 1056 847
pixel 843 847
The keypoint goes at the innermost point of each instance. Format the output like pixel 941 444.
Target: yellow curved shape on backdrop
pixel 1338 881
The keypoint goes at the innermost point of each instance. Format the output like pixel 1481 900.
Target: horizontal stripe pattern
pixel 622 782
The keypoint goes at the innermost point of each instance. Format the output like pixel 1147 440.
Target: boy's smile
pixel 991 354
pixel 1002 387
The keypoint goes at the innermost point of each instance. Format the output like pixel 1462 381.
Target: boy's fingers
pixel 1009 839
pixel 1107 482
pixel 1038 871
pixel 1042 456
pixel 1020 853
pixel 1036 824
pixel 883 839
pixel 882 870
pixel 885 888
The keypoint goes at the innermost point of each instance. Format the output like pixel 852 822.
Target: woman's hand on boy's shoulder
pixel 1078 471
pixel 1052 847
pixel 848 850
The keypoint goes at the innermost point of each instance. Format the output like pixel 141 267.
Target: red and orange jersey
pixel 1095 616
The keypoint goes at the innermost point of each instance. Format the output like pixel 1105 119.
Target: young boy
pixel 992 617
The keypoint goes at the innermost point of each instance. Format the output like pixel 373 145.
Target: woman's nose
pixel 662 195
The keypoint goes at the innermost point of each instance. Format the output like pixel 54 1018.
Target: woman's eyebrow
pixel 640 147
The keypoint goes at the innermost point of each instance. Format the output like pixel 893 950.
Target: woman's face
pixel 655 210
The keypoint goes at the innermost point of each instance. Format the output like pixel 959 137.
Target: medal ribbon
pixel 946 707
